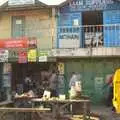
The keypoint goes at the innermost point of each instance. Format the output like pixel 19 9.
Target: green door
pixel 18 26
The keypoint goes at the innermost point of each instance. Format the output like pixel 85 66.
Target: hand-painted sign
pixel 69 40
pixel 14 43
pixel 89 4
pixel 4 55
pixel 22 57
pixel 22 42
pixel 32 55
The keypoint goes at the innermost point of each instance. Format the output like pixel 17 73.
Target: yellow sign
pixel 116 92
pixel 32 55
pixel 61 68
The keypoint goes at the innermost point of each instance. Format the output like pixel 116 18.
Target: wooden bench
pixel 39 111
pixel 6 103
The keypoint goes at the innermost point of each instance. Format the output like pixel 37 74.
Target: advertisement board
pixel 32 55
pixel 4 55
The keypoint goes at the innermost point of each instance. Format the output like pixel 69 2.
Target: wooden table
pixel 39 111
pixel 23 101
pixel 58 106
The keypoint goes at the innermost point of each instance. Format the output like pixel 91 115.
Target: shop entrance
pixel 93 28
pixel 38 72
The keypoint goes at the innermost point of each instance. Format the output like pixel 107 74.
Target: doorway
pixel 93 28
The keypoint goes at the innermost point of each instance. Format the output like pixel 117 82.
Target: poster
pixel 61 68
pixel 22 57
pixel 4 55
pixel 43 56
pixel 99 82
pixel 32 55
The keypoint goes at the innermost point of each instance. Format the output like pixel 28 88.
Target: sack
pixel 46 94
pixel 72 92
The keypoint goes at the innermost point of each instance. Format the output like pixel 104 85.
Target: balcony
pixel 89 40
pixel 74 41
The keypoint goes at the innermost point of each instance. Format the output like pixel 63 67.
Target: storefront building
pixel 26 37
pixel 88 43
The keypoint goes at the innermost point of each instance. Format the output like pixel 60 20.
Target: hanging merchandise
pixel 13 55
pixel 7 74
pixel 4 55
pixel 32 55
pixel 7 68
pixel 22 57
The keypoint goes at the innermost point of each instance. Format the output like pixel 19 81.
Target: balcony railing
pixel 89 36
pixel 88 40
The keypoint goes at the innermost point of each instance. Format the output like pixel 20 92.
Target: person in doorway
pixel 27 83
pixel 53 84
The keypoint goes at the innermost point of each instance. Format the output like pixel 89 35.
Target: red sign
pixel 22 57
pixel 14 43
pixel 22 42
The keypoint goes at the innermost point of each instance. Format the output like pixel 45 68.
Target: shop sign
pixel 43 55
pixel 61 68
pixel 72 38
pixel 22 57
pixel 4 55
pixel 89 4
pixel 14 43
pixel 32 55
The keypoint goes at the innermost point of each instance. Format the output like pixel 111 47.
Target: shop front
pixel 94 72
pixel 18 58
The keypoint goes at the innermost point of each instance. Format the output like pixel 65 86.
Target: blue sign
pixel 86 5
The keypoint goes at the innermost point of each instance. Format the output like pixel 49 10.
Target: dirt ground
pixel 106 113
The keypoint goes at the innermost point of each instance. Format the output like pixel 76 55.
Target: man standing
pixel 53 82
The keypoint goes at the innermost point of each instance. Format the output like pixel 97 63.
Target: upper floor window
pixel 18 26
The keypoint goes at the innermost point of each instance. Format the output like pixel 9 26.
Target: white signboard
pixel 20 2
pixel 3 55
pixel 43 59
pixel 69 40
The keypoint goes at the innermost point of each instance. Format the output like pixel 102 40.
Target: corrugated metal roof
pixel 53 2
pixel 47 2
pixel 2 2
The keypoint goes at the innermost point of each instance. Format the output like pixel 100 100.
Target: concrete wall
pixel 5 26
pixel 38 23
